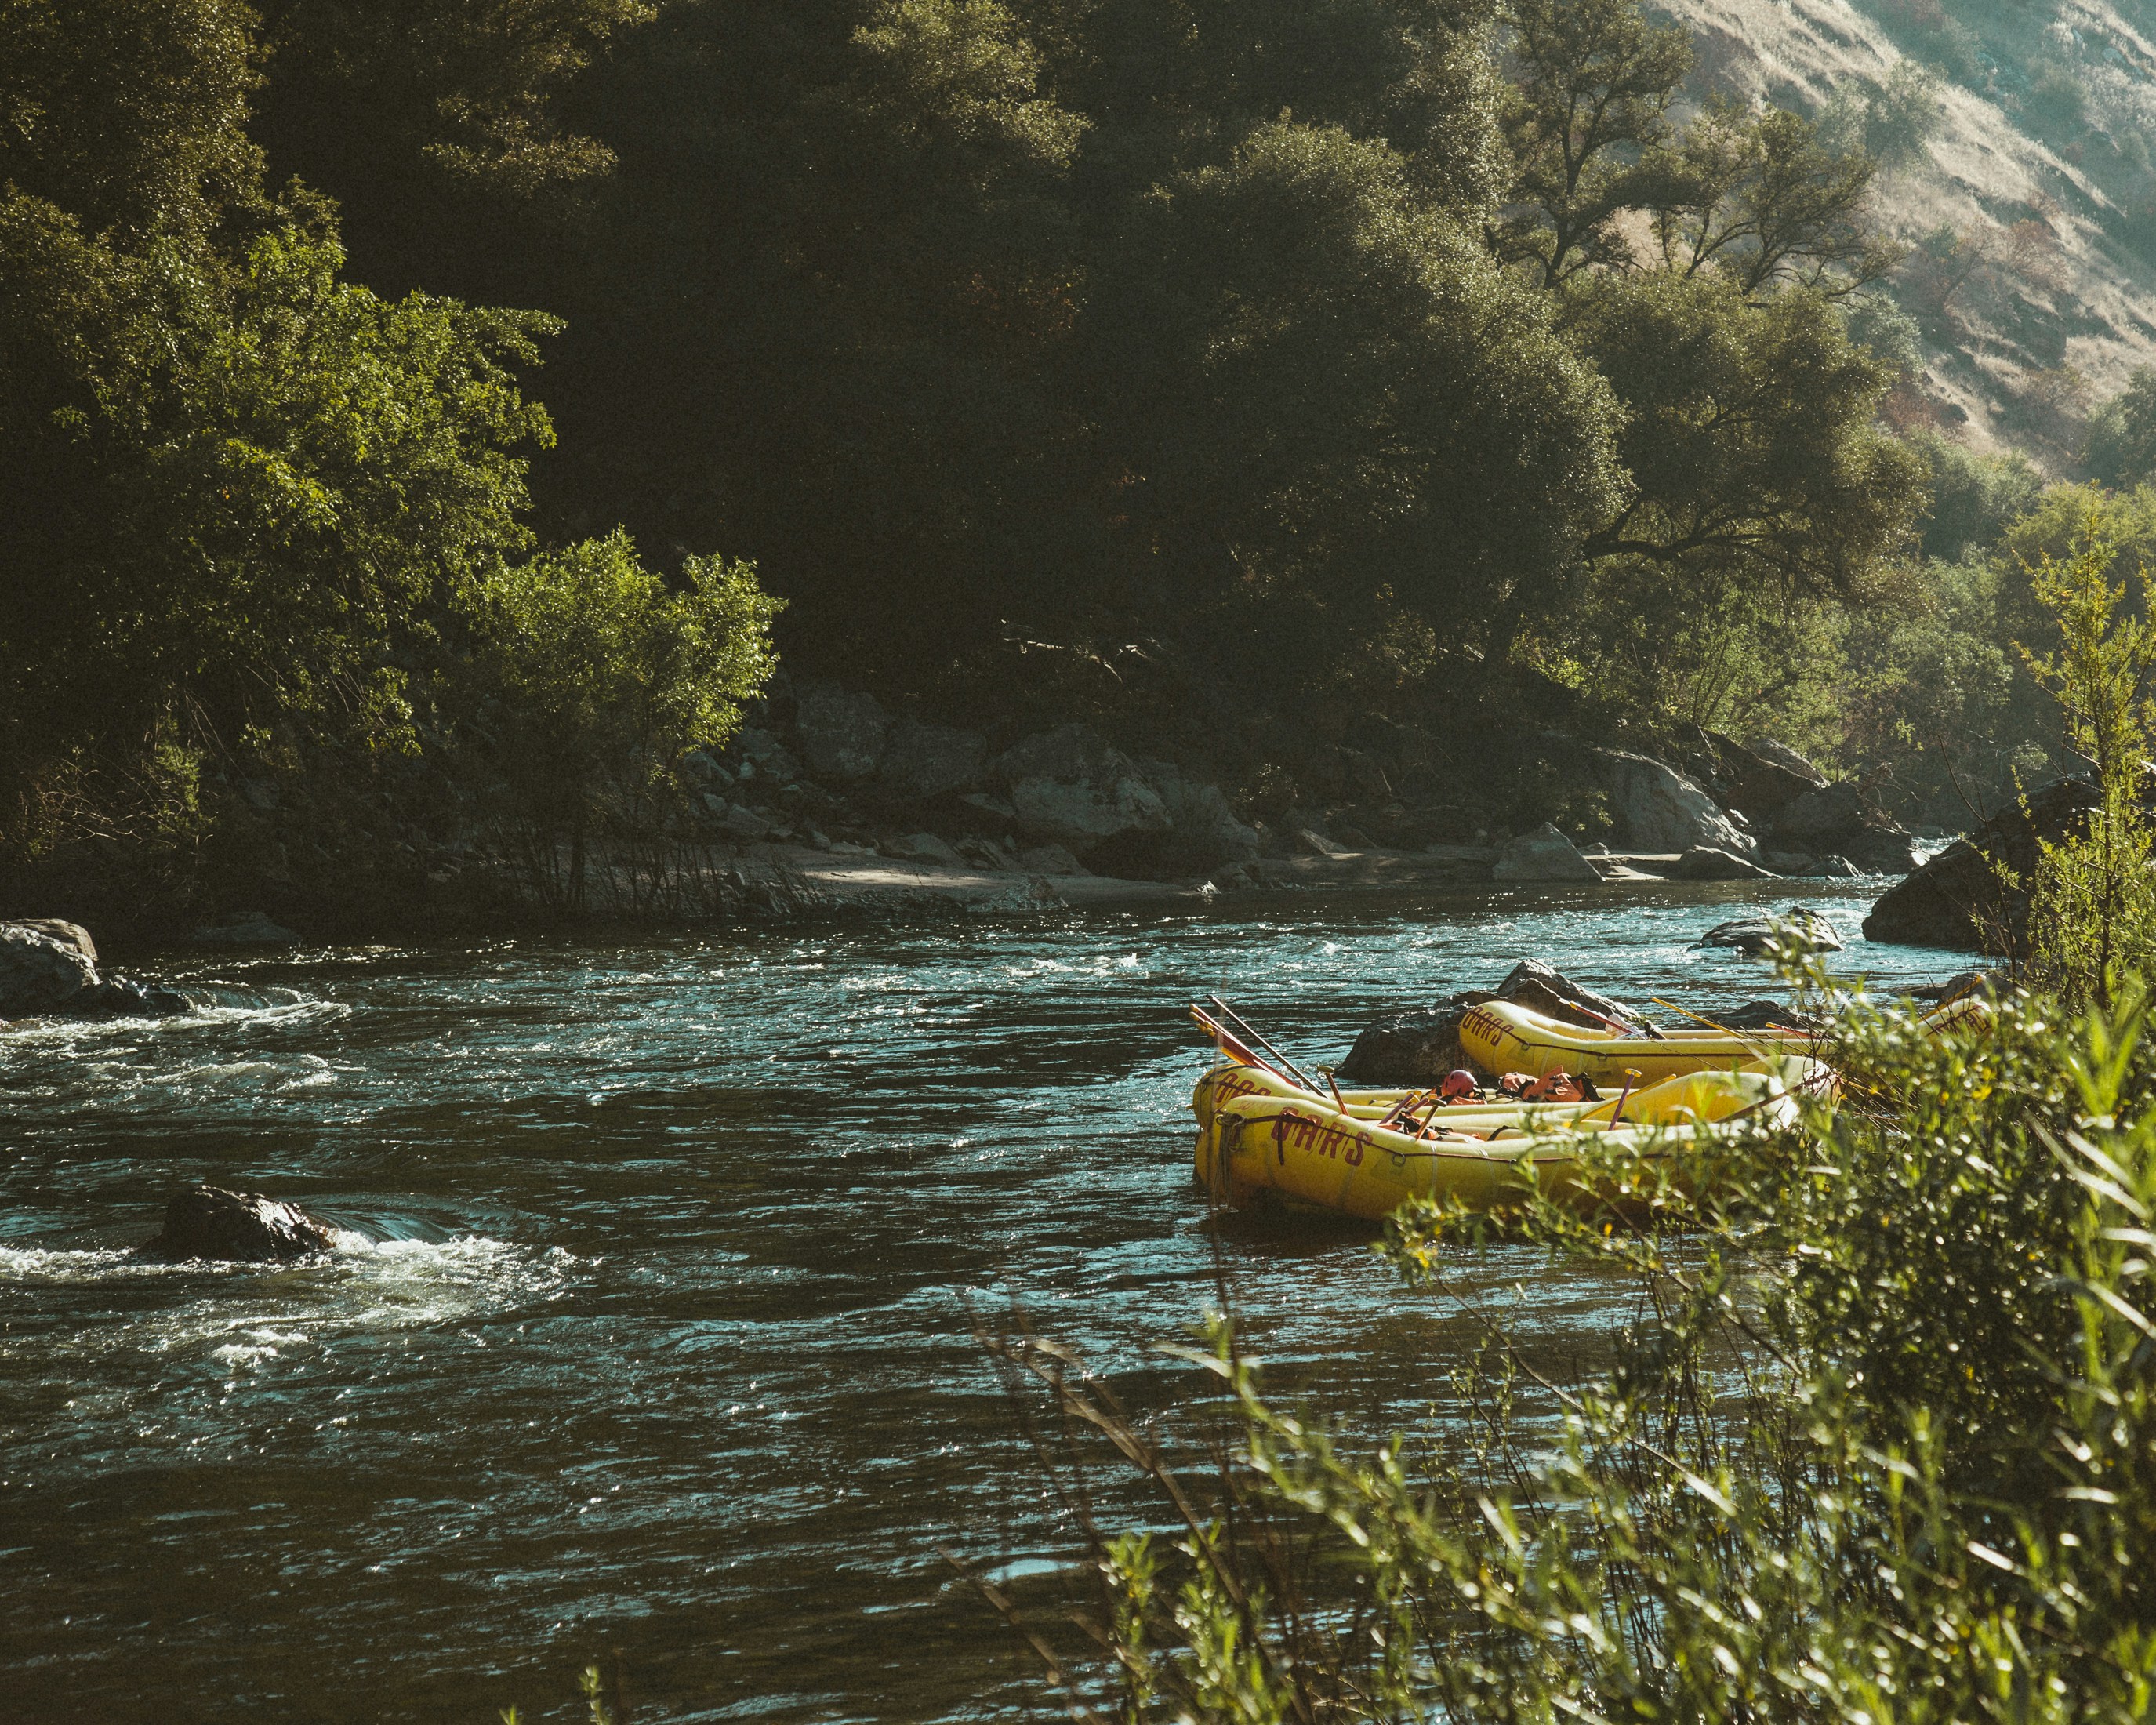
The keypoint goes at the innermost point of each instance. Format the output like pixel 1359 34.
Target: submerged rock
pixel 235 1227
pixel 1544 854
pixel 245 928
pixel 1752 936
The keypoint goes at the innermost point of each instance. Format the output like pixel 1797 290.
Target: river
pixel 651 1328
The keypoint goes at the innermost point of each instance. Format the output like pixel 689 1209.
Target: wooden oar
pixel 1724 1028
pixel 1252 1031
pixel 1226 1042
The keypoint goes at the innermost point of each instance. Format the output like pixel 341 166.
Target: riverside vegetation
pixel 1252 382
pixel 1874 1441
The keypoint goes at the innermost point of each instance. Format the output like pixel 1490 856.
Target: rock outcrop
pixel 235 1227
pixel 841 732
pixel 51 967
pixel 1544 855
pixel 921 762
pixel 45 966
pixel 1068 787
pixel 1957 899
pixel 1415 1047
pixel 1838 820
pixel 1757 780
pixel 1658 809
pixel 1753 936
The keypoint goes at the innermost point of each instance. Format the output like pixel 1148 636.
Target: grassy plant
pixel 1873 1444
pixel 2092 909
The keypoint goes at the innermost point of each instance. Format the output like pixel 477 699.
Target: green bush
pixel 1877 1441
pixel 2120 450
pixel 604 675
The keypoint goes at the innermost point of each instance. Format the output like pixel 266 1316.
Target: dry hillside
pixel 2031 211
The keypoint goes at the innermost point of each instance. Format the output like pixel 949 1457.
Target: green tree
pixel 1749 437
pixel 2120 450
pixel 606 675
pixel 2093 905
pixel 1973 497
pixel 1761 200
pixel 1330 390
pixel 1585 116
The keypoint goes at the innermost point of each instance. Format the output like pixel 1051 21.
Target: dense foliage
pixel 257 522
pixel 1874 1443
pixel 1431 359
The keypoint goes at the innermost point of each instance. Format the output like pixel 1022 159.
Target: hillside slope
pixel 2031 211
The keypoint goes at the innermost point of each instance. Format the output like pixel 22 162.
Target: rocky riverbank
pixel 829 798
pixel 829 773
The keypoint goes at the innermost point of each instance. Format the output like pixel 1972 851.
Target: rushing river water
pixel 651 1330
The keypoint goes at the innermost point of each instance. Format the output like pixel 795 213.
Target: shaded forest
pixel 1243 377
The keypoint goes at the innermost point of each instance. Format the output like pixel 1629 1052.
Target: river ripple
pixel 650 1329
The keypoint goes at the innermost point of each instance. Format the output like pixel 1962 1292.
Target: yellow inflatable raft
pixel 1505 1038
pixel 1312 1154
pixel 1232 1081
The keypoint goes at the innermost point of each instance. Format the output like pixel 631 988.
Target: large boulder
pixel 1534 985
pixel 1658 809
pixel 1544 854
pixel 1704 864
pixel 841 733
pixel 1782 756
pixel 924 760
pixel 1761 778
pixel 1416 1047
pixel 45 966
pixel 1837 820
pixel 1754 936
pixel 1957 899
pixel 1204 833
pixel 1068 787
pixel 235 1227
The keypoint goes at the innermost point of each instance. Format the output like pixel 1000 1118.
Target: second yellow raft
pixel 1501 1037
pixel 1309 1153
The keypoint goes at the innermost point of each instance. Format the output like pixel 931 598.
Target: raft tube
pixel 1313 1154
pixel 1505 1038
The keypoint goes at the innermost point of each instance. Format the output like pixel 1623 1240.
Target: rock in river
pixel 45 966
pixel 235 1227
pixel 1957 899
pixel 1534 985
pixel 1837 819
pixel 1702 863
pixel 1544 855
pixel 1415 1047
pixel 1658 810
pixel 1752 935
